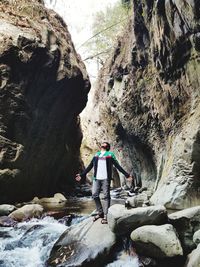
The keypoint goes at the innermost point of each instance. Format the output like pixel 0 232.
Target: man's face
pixel 104 145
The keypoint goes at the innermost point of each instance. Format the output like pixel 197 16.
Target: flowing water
pixel 28 244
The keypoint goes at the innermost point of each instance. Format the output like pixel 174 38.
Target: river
pixel 28 244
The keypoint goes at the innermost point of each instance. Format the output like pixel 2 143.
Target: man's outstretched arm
pixel 119 168
pixel 79 176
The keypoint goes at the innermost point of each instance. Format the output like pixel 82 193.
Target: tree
pixel 107 26
pixel 126 3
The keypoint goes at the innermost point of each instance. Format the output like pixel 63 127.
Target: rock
pixel 27 212
pixel 178 191
pixel 60 197
pixel 35 200
pixel 139 200
pixel 56 203
pixel 42 77
pixel 83 244
pixel 6 221
pixel 186 223
pixel 122 221
pixel 193 259
pixel 149 108
pixel 6 209
pixel 196 237
pixel 158 242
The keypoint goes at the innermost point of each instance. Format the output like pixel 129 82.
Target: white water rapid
pixel 29 243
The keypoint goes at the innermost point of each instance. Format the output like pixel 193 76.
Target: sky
pixel 79 15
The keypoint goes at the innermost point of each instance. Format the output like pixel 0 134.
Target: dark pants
pixel 96 189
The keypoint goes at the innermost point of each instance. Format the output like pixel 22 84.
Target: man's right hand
pixel 130 178
pixel 78 177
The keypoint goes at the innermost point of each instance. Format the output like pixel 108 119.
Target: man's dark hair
pixel 107 146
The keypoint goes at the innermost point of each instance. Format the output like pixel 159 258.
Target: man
pixel 102 163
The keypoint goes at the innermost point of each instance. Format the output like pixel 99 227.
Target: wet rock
pixel 66 220
pixel 122 220
pixel 186 223
pixel 84 244
pixel 6 221
pixel 44 87
pixel 139 200
pixel 157 241
pixel 6 209
pixel 27 212
pixel 58 202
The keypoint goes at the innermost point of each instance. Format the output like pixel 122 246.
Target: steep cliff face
pixel 43 88
pixel 147 100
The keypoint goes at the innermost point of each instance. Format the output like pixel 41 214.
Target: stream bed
pixel 28 244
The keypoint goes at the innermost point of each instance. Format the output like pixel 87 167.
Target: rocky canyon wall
pixel 147 100
pixel 43 88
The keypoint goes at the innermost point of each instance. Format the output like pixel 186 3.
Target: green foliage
pixel 107 26
pixel 126 3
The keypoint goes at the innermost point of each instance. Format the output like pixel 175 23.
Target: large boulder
pixel 27 212
pixel 43 88
pixel 193 259
pixel 83 244
pixel 186 223
pixel 122 220
pixel 158 242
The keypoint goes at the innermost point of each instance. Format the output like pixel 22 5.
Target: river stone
pixel 27 212
pixel 186 222
pixel 6 209
pixel 6 221
pixel 60 197
pixel 157 241
pixel 122 221
pixel 193 259
pixel 196 237
pixel 57 202
pixel 85 244
pixel 138 200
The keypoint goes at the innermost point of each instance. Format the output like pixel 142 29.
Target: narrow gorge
pixel 53 118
